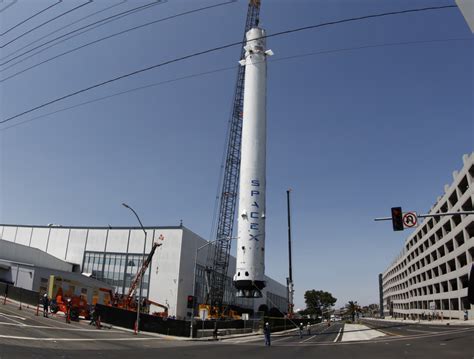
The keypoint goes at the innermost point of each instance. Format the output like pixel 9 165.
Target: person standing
pixel 45 305
pixel 267 333
pixel 215 332
pixel 68 310
pixel 308 328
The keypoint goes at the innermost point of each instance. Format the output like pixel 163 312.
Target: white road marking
pixel 321 332
pixel 56 328
pixel 74 339
pixel 13 316
pixel 308 338
pixel 338 334
pixel 13 320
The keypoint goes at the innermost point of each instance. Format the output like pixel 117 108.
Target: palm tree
pixel 352 308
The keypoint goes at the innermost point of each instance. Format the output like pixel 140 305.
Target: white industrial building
pixel 113 255
pixel 430 276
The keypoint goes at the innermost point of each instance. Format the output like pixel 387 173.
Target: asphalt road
pixel 24 335
pixel 413 330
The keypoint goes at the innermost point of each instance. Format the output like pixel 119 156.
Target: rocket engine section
pixel 249 278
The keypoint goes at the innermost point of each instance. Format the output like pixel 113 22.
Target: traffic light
pixel 190 301
pixel 397 220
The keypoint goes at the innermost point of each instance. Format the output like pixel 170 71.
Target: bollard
pixel 97 322
pixel 135 328
pixel 37 309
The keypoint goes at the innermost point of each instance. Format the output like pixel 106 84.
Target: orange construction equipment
pixel 79 306
pixel 163 314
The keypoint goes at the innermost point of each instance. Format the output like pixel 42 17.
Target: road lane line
pixel 55 339
pixel 284 338
pixel 13 316
pixel 338 334
pixel 13 320
pixel 25 326
pixel 308 338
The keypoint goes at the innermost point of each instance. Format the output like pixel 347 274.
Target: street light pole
pixel 194 278
pixel 138 268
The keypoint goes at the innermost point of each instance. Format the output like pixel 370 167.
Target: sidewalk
pixel 357 332
pixel 427 322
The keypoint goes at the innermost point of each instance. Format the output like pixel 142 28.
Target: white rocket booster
pixel 249 278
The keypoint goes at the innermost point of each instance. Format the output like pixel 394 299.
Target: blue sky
pixel 353 133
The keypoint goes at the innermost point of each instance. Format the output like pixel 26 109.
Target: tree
pixel 318 301
pixel 352 309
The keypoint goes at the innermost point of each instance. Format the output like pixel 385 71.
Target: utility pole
pixel 289 280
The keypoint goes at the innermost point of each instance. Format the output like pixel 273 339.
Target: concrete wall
pixel 165 275
pixel 23 254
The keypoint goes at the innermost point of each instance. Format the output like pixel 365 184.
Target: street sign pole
pixel 429 215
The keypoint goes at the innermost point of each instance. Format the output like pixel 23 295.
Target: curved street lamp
pixel 138 268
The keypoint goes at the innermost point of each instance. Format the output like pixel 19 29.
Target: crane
pixel 228 197
pixel 140 273
pixel 127 302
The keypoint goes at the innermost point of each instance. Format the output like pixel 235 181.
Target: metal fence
pixel 19 294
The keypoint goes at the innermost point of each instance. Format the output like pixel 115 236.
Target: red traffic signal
pixel 397 218
pixel 190 301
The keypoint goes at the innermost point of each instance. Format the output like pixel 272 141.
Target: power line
pixel 223 69
pixel 102 39
pixel 61 28
pixel 45 23
pixel 363 47
pixel 363 18
pixel 105 20
pixel 31 17
pixel 8 5
pixel 215 49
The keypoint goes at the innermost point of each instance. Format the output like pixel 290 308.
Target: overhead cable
pixel 8 5
pixel 62 28
pixel 223 69
pixel 31 17
pixel 215 49
pixel 102 22
pixel 102 39
pixel 45 23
